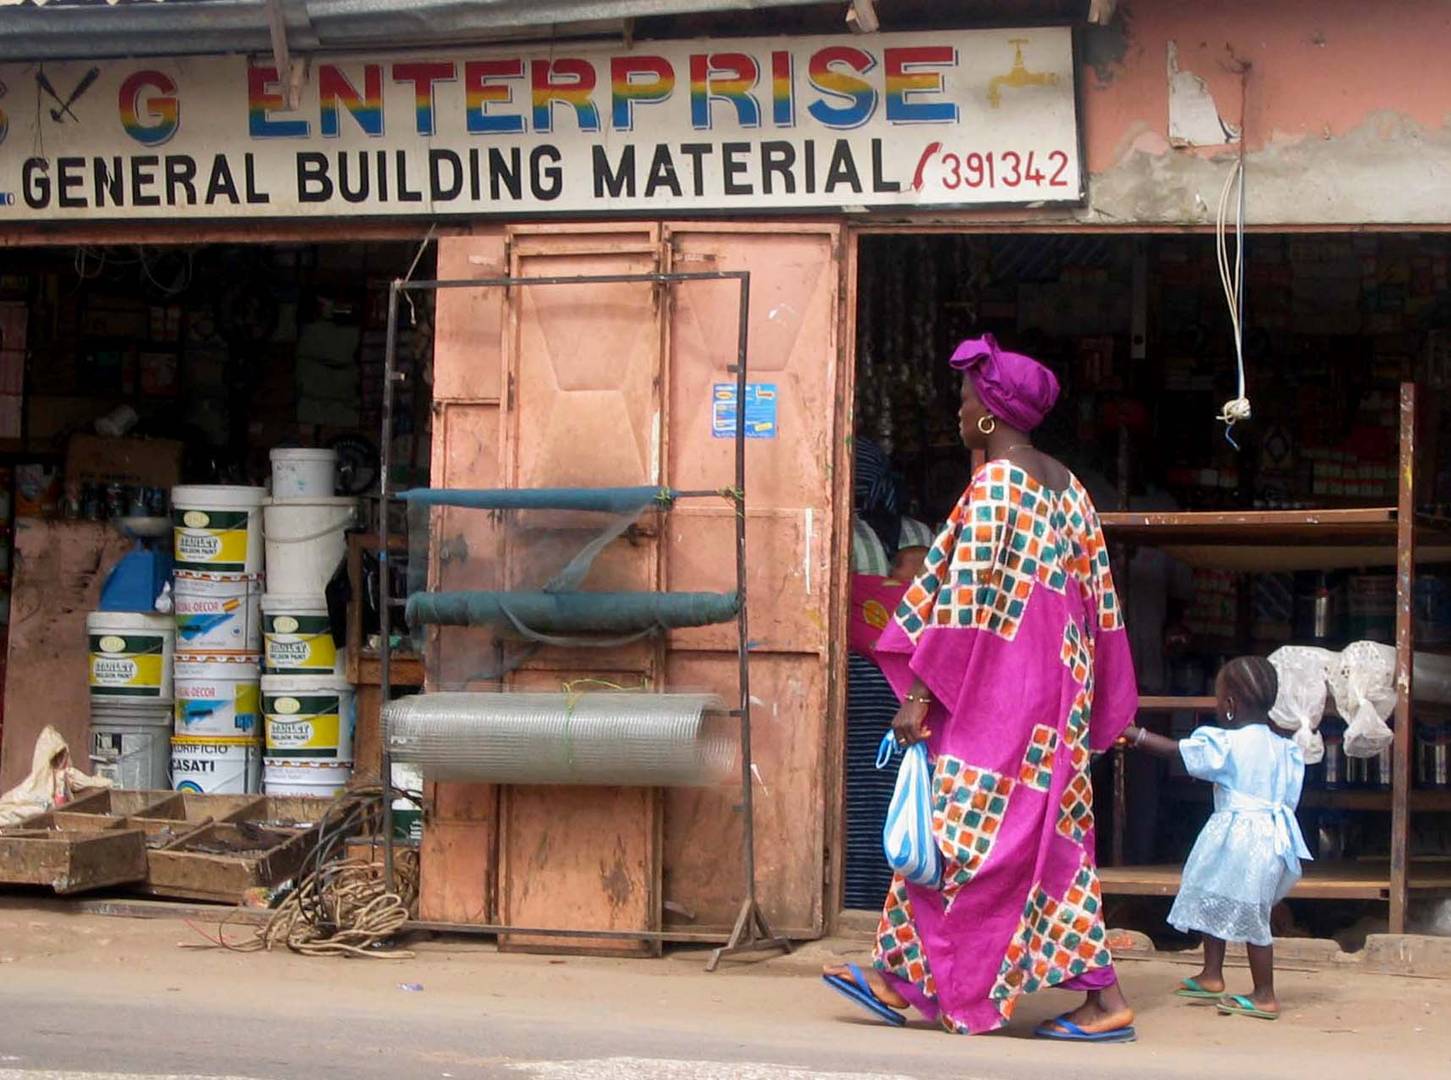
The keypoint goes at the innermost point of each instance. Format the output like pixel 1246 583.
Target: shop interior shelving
pixel 1322 539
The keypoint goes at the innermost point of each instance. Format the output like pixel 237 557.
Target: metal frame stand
pixel 752 932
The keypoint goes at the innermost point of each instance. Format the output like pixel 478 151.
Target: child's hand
pixel 1131 737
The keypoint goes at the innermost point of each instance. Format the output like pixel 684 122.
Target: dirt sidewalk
pixel 1336 1022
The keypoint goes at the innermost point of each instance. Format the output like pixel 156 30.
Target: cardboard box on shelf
pixel 148 462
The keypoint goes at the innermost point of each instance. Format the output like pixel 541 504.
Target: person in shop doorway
pixel 1012 663
pixel 878 582
pixel 1247 857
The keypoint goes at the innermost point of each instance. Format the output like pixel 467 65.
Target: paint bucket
pixel 131 655
pixel 217 528
pixel 305 542
pixel 216 694
pixel 299 473
pixel 212 766
pixel 131 743
pixel 303 776
pixel 218 612
pixel 297 637
pixel 308 716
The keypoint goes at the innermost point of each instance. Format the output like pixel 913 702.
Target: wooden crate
pixel 194 846
pixel 71 856
pixel 222 860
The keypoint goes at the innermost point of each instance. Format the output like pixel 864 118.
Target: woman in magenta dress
pixel 1011 660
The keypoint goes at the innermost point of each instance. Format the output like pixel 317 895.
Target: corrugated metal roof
pixel 36 30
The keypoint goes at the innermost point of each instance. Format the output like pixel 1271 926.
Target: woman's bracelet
pixel 1138 736
pixel 918 699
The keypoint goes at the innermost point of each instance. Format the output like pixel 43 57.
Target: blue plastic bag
pixel 907 838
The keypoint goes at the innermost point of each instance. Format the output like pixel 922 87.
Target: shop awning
pixel 51 29
pixel 96 29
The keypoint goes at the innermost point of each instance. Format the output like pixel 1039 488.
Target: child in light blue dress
pixel 1247 857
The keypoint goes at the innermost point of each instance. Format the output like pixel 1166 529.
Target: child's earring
pixel 1229 711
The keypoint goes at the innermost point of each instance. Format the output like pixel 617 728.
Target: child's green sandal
pixel 1239 1005
pixel 1191 989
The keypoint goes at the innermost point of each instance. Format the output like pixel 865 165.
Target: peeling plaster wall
pixel 1346 120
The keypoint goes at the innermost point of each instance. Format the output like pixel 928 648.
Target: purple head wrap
pixel 1016 389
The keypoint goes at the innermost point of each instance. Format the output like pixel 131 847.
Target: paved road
pixel 85 998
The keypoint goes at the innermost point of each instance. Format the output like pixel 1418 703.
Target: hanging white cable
pixel 1238 407
pixel 1232 277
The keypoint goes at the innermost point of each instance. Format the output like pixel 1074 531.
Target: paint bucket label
pixel 298 645
pixel 216 708
pixel 206 766
pixel 216 613
pixel 286 776
pixel 127 665
pixel 213 540
pixel 307 725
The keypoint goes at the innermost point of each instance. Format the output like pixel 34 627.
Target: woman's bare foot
pixel 880 987
pixel 1104 1010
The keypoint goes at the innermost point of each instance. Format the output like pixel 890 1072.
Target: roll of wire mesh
pixel 620 739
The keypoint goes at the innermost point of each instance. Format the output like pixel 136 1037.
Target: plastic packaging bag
pixel 53 781
pixel 1363 685
pixel 907 838
pixel 1300 702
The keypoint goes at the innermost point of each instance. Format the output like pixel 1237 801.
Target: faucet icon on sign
pixel 1019 75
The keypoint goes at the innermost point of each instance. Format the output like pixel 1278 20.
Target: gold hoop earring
pixel 987 424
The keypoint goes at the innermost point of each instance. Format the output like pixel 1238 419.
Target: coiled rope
pixel 344 909
pixel 343 906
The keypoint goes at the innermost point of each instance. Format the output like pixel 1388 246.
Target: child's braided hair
pixel 1252 682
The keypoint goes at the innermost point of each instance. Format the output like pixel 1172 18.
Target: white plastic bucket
pixel 297 637
pixel 305 542
pixel 303 474
pixel 216 694
pixel 131 743
pixel 217 528
pixel 215 766
pixel 131 655
pixel 308 716
pixel 218 612
pixel 285 776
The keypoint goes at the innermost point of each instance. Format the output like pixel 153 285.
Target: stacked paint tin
pixel 307 703
pixel 131 657
pixel 217 590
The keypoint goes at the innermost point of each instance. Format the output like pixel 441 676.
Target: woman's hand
pixel 908 724
pixel 1131 737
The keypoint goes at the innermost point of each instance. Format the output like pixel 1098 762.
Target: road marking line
pixel 667 1069
pixel 65 1074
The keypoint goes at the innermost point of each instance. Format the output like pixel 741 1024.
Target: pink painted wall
pixel 1347 110
pixel 59 569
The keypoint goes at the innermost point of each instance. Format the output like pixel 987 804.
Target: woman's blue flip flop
pixel 857 989
pixel 1067 1031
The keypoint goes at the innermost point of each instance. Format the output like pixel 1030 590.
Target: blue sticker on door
pixel 760 411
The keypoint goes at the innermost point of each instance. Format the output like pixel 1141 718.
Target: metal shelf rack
pixel 751 932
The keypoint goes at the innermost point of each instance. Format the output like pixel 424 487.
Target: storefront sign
pixel 871 121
